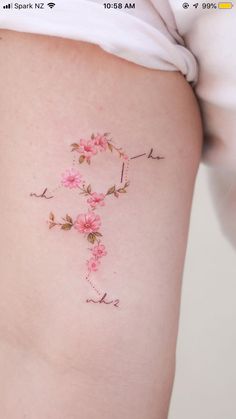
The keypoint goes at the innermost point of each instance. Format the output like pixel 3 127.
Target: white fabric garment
pixel 160 34
pixel 138 35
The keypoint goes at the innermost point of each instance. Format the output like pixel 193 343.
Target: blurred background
pixel 205 383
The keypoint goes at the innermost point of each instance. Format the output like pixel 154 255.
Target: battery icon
pixel 225 5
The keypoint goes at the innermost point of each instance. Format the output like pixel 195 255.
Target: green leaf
pixel 81 159
pixel 75 146
pixel 111 190
pixel 89 189
pixel 91 237
pixel 51 216
pixel 97 234
pixel 110 146
pixel 122 191
pixel 66 226
pixel 69 219
pixel 51 225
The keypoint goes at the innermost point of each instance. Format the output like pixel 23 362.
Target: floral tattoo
pixel 89 223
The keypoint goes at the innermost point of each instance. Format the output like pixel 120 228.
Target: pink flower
pixel 96 199
pixel 71 179
pixel 125 157
pixel 87 148
pixel 93 264
pixel 99 250
pixel 101 142
pixel 87 223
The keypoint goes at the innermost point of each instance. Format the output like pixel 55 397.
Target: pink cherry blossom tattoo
pixel 71 179
pixel 89 223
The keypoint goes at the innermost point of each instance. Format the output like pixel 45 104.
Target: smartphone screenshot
pixel 117 209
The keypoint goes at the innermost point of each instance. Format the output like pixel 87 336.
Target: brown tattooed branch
pixel 67 225
pixel 113 190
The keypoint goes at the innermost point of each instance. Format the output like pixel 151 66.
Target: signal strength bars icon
pixel 7 6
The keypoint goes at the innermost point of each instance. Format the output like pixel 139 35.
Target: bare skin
pixel 61 357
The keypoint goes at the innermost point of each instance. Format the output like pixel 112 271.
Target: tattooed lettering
pixel 151 156
pixel 42 195
pixel 102 300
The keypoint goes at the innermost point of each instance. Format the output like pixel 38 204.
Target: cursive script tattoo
pixel 102 300
pixel 150 156
pixel 42 195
